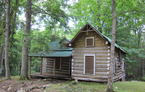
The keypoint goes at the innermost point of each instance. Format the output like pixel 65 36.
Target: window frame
pixel 85 62
pixel 86 41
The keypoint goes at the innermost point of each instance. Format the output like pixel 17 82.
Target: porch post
pixel 30 66
pixel 54 67
pixel 41 66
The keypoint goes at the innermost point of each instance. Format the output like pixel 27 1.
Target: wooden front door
pixel 89 64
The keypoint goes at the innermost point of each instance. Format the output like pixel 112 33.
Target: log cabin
pixel 91 56
pixel 87 57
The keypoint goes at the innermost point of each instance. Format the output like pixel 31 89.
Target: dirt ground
pixel 32 85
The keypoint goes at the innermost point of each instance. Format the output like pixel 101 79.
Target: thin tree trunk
pixel 7 69
pixel 110 77
pixel 24 68
pixel 1 60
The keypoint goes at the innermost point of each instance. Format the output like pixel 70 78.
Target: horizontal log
pixel 64 65
pixel 46 73
pixel 101 68
pixel 64 68
pixel 75 68
pixel 61 72
pixel 92 48
pixel 97 58
pixel 78 51
pixel 97 61
pixel 77 65
pixel 65 62
pixel 49 71
pixel 102 73
pixel 89 79
pixel 50 60
pixel 57 71
pixel 118 74
pixel 90 76
pixel 49 66
pixel 118 78
pixel 89 53
pixel 96 69
pixel 96 73
pixel 97 65
pixel 100 62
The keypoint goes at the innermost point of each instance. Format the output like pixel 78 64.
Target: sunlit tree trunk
pixel 7 69
pixel 24 68
pixel 110 77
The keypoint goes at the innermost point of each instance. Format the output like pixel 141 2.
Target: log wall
pixel 102 58
pixel 120 74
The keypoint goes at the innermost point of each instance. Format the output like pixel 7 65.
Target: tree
pixel 7 69
pixel 110 77
pixel 1 60
pixel 24 68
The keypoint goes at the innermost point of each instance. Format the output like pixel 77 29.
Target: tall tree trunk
pixel 13 26
pixel 7 69
pixel 24 68
pixel 110 77
pixel 1 60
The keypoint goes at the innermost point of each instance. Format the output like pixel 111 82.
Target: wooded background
pixel 55 15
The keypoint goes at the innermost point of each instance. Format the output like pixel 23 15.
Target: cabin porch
pixel 57 65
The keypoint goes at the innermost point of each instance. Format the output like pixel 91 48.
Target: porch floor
pixel 57 76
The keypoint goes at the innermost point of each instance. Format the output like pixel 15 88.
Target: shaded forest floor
pixel 54 85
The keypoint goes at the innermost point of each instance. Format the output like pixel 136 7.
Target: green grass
pixel 130 86
pixel 68 86
pixel 81 87
pixel 97 87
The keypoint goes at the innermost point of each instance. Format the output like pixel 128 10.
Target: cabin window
pixel 57 63
pixel 89 42
pixel 89 64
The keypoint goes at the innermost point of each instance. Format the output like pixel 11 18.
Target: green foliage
pixel 129 31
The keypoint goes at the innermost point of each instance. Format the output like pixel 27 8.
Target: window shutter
pixel 89 42
pixel 89 65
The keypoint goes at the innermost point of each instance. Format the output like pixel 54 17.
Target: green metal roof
pixel 54 45
pixel 53 54
pixel 56 50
